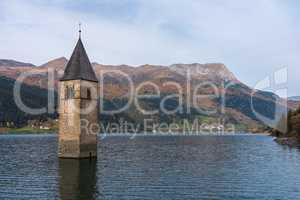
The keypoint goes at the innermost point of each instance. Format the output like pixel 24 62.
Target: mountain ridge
pixel 115 87
pixel 14 63
pixel 294 98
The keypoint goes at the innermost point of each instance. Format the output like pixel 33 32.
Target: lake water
pixel 153 167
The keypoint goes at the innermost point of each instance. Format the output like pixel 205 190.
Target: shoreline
pixel 288 141
pixel 24 131
pixel 54 132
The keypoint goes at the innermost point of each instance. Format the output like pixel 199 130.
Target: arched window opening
pixel 88 93
pixel 69 92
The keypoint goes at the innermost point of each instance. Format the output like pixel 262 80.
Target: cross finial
pixel 79 29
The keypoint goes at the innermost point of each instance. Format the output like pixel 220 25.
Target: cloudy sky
pixel 252 38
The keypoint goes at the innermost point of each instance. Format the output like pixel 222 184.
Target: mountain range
pixel 115 87
pixel 294 98
pixel 14 63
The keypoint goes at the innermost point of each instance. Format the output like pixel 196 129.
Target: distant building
pixel 78 90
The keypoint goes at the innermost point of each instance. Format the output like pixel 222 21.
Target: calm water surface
pixel 162 167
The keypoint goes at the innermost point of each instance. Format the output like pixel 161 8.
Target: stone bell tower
pixel 78 107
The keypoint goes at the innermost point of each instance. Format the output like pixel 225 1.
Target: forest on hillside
pixel 289 125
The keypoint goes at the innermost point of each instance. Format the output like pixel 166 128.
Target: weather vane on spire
pixel 79 29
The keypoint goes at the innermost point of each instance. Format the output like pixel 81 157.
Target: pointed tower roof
pixel 79 66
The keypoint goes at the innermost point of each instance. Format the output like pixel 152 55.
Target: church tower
pixel 78 107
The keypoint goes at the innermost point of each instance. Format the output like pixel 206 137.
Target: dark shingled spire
pixel 79 66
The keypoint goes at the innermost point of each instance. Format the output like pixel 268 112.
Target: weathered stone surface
pixel 77 118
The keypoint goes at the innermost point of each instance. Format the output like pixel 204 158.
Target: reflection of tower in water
pixel 77 179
